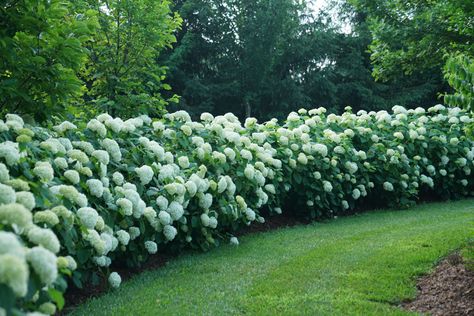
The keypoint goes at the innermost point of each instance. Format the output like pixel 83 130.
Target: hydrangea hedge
pixel 76 197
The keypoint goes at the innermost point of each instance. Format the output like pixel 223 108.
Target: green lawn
pixel 359 265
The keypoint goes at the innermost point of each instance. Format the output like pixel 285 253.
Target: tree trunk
pixel 248 109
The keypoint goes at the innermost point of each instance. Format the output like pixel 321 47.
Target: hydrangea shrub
pixel 76 197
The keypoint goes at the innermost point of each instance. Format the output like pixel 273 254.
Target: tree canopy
pixel 90 55
pixel 252 57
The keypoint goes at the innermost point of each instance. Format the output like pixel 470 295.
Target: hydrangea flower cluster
pixel 121 190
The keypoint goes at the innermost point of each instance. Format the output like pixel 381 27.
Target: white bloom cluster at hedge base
pixel 82 196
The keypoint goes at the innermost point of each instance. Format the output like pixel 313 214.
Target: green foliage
pixel 83 57
pixel 412 37
pixel 459 71
pixel 122 74
pixel 238 56
pixel 112 191
pixel 41 44
pixel 233 56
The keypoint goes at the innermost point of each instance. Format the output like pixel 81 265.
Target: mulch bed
pixel 449 290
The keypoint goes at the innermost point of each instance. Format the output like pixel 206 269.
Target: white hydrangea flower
pixel 176 210
pixel 187 130
pixel 158 126
pixel 183 162
pixel 79 155
pixel 213 222
pixel 461 161
pixel 53 145
pixel 388 186
pixel 205 201
pixel 180 115
pixel 123 237
pixel 47 216
pixel 230 153
pixel 10 244
pixel 102 156
pixel 398 135
pixel 102 261
pixel 134 232
pixel 191 188
pixel 88 216
pixel 7 194
pixel 351 167
pixel 151 247
pixel 10 152
pixel 14 121
pixel 375 138
pixel 162 203
pixel 345 204
pixel 250 214
pixel 145 173
pixel 205 220
pixel 44 171
pixel 64 126
pixel 26 198
pixel 207 117
pixel 14 273
pixel 44 263
pixel 234 241
pixel 96 126
pixel 112 147
pixel 4 173
pixel 246 154
pixel 126 206
pixel 61 163
pixel 72 176
pixel 222 185
pixel 104 117
pixel 115 280
pixel 96 187
pixel 118 178
pixel 320 149
pixel 249 172
pixel 241 202
pixel 327 186
pixel 164 218
pixel 44 237
pixel 356 194
pixel 170 232
pixel 302 159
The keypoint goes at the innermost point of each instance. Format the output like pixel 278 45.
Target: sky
pixel 317 5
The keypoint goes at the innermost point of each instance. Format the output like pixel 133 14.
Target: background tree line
pixel 259 58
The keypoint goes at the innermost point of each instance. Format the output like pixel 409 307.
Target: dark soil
pixel 449 290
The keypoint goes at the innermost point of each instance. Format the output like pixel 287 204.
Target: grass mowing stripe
pixel 358 265
pixel 361 271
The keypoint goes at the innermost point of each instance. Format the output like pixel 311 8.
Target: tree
pixel 350 70
pixel 266 58
pixel 234 55
pixel 122 74
pixel 414 37
pixel 42 51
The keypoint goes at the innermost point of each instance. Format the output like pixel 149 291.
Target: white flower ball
pixel 115 280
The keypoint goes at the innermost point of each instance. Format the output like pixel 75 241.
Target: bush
pixel 109 190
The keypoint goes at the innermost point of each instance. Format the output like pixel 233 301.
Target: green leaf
pixel 57 297
pixel 7 298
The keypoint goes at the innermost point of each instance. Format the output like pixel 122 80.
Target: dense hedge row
pixel 76 197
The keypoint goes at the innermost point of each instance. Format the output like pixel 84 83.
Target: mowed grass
pixel 359 265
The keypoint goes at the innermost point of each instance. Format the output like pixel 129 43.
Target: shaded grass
pixel 359 265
